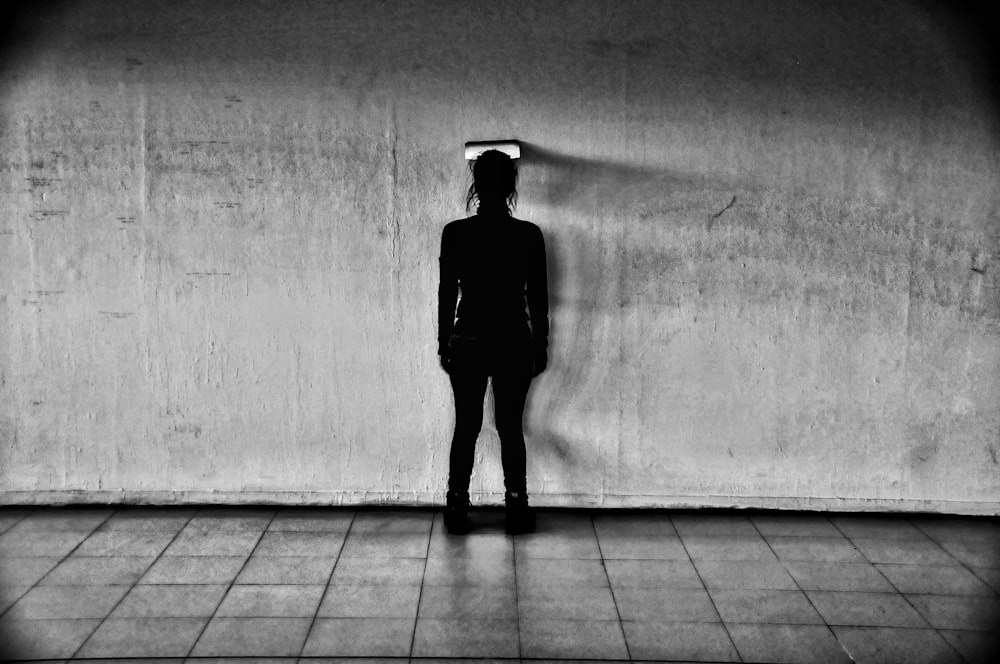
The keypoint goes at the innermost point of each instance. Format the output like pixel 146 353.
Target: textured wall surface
pixel 772 232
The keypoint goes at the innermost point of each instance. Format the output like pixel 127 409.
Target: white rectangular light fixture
pixel 475 148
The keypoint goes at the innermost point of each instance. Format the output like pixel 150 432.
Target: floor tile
pixel 125 543
pixel 296 543
pixel 613 525
pixel 583 546
pixel 652 574
pixel 636 547
pixel 260 637
pixel 909 552
pixel 143 637
pixel 312 520
pixel 456 660
pixel 32 543
pixel 866 609
pixel 171 519
pixel 360 637
pixel 44 639
pixel 892 645
pixel 877 527
pixel 465 638
pixel 468 602
pixel 565 639
pixel 958 612
pixel 794 644
pixel 744 574
pixel 838 576
pixel 535 572
pixel 10 594
pixel 934 580
pixel 170 601
pixel 739 547
pixel 959 529
pixel 564 522
pixel 673 641
pixel 469 572
pixel 975 647
pixel 484 545
pixel 791 525
pixel 765 606
pixel 385 545
pixel 52 602
pixel 232 518
pixel 71 518
pixel 10 516
pixel 714 524
pixel 988 575
pixel 271 601
pixel 102 570
pixel 392 522
pixel 378 571
pixel 25 570
pixel 974 554
pixel 665 605
pixel 287 569
pixel 565 602
pixel 385 601
pixel 194 569
pixel 816 549
pixel 192 542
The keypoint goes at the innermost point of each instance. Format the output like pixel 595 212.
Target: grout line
pixel 326 589
pixel 420 592
pixel 230 585
pixel 628 651
pixel 133 585
pixel 968 568
pixel 842 645
pixel 125 594
pixel 61 561
pixel 705 587
pixel 893 586
pixel 29 513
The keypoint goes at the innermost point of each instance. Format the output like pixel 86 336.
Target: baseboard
pixel 429 499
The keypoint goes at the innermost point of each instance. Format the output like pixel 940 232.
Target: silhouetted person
pixel 498 264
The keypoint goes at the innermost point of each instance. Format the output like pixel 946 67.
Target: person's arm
pixel 538 300
pixel 447 293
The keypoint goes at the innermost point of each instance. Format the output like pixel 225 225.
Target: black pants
pixel 510 368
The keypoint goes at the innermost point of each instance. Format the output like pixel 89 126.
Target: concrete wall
pixel 772 231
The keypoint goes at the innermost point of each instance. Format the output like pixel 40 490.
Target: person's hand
pixel 541 361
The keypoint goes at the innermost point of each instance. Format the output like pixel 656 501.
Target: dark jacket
pixel 497 262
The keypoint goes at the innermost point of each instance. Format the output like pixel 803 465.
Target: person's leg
pixel 509 393
pixel 469 387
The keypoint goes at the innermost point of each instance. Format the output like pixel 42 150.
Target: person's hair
pixel 494 179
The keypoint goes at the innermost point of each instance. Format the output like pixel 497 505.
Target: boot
pixel 520 517
pixel 456 513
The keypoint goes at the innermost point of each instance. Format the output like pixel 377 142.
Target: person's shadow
pixel 593 279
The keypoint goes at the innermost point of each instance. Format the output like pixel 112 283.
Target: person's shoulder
pixel 527 226
pixel 529 229
pixel 457 224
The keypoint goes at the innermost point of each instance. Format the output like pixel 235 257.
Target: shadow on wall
pixel 589 268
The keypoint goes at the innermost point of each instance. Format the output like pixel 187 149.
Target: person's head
pixel 494 181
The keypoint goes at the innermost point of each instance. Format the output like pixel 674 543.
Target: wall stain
pixel 711 219
pixel 42 215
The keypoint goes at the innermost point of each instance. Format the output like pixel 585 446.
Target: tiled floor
pixel 191 583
